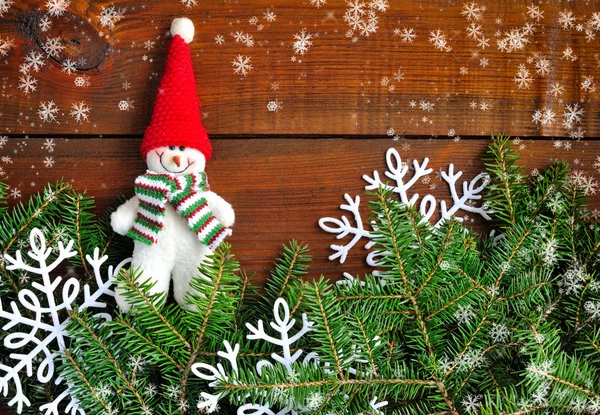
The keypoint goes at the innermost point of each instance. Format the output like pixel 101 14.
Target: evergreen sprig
pixel 453 322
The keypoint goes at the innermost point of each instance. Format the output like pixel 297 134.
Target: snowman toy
pixel 174 219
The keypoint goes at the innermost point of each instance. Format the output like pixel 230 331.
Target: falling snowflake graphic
pixel 82 81
pixel 48 162
pixel 54 46
pixel 318 3
pixel 35 60
pixel 126 104
pixel 472 11
pixel 5 5
pixel 45 23
pixel 523 80
pixel 5 45
pixel 545 117
pixel 439 40
pixel 80 112
pixel 68 66
pixel 302 42
pixel 45 329
pixel 57 7
pixel 48 111
pixel 572 115
pixel 566 19
pixel 110 16
pixel 270 16
pixel 49 145
pixel 189 3
pixel 363 17
pixel 27 84
pixel 275 106
pixel 242 65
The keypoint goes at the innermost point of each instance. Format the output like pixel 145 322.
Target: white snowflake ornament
pixel 401 184
pixel 40 311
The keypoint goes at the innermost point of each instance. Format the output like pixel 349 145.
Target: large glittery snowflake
pixel 401 184
pixel 39 319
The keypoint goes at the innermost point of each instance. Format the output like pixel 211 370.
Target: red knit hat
pixel 176 117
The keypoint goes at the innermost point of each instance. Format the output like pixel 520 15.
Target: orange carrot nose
pixel 177 160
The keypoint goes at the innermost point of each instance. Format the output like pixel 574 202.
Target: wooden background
pixel 302 126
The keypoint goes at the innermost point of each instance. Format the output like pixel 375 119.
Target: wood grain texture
pixel 345 83
pixel 279 188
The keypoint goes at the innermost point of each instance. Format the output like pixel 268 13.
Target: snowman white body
pixel 178 253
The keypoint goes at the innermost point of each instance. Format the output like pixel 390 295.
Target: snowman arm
pixel 122 219
pixel 220 208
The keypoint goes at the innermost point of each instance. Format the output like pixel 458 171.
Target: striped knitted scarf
pixel 184 193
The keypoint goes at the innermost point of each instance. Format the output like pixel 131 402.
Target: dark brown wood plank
pixel 344 84
pixel 279 188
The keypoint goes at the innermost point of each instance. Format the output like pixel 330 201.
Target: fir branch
pixel 130 279
pixel 501 166
pixel 324 316
pixel 78 243
pixel 220 260
pixel 372 297
pixel 388 224
pixel 564 382
pixel 296 252
pixel 144 339
pixel 301 295
pixel 579 307
pixel 525 291
pixel 537 408
pixel 85 382
pixel 60 189
pixel 367 344
pixel 491 300
pixel 332 382
pixel 447 239
pixel 76 318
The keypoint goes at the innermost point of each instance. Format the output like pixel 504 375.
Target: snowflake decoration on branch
pixel 283 325
pixel 401 185
pixel 42 320
pixel 284 341
pixel 344 228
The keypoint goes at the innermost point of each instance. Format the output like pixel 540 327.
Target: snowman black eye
pixel 171 147
pixel 181 148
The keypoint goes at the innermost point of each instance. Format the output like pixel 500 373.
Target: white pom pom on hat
pixel 183 27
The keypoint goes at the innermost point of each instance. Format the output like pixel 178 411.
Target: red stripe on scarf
pixel 218 235
pixel 182 201
pixel 208 222
pixel 202 206
pixel 144 235
pixel 152 221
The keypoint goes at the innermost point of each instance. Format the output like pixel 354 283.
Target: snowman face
pixel 175 160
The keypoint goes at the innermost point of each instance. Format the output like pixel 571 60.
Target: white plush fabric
pixel 178 252
pixel 183 27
